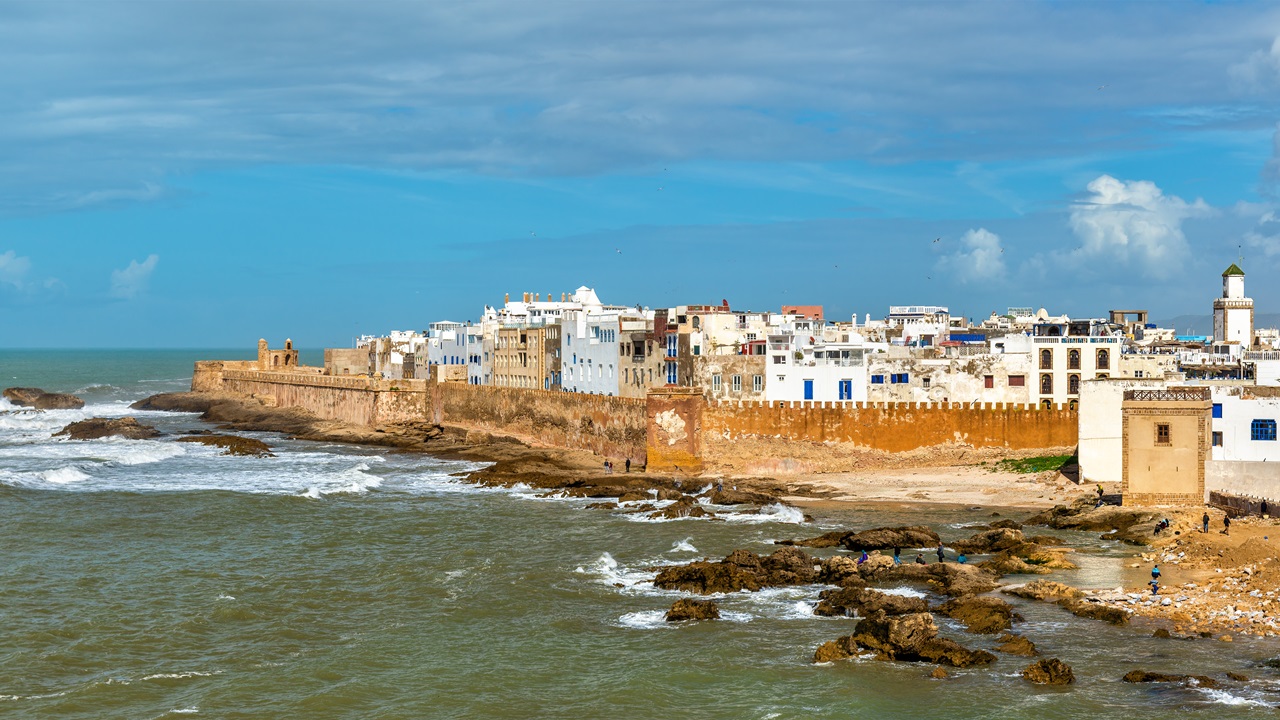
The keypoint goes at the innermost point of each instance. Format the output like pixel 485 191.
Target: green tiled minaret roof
pixel 1233 270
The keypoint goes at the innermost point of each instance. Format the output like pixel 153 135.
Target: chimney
pixel 525 296
pixel 506 297
pixel 563 296
pixel 537 297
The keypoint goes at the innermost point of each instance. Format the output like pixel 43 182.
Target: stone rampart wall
pixel 895 427
pixel 610 426
pixel 359 401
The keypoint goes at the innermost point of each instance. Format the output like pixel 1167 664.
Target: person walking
pixel 1205 519
pixel 1226 524
pixel 897 556
pixel 628 465
pixel 942 555
pixel 1155 572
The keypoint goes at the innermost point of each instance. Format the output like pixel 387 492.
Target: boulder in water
pixel 687 609
pixel 41 400
pixel 989 541
pixel 1016 645
pixel 915 638
pixel 1142 676
pixel 232 444
pixel 1096 611
pixel 889 538
pixel 849 601
pixel 95 428
pixel 684 507
pixel 706 578
pixel 981 615
pixel 1046 590
pixel 1049 671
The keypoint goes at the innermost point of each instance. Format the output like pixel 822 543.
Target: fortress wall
pixel 895 427
pixel 610 426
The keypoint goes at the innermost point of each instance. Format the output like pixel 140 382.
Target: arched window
pixel 1073 359
pixel 1104 359
pixel 1073 384
pixel 1073 404
pixel 1047 404
pixel 697 322
pixel 1046 384
pixel 1046 359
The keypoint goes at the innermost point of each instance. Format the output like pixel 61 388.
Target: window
pixel 925 382
pixel 737 383
pixel 846 389
pixel 1162 434
pixel 697 322
pixel 899 378
pixel 671 345
pixel 988 381
pixel 1073 359
pixel 1046 384
pixel 808 389
pixel 1073 384
pixel 1017 381
pixel 1217 439
pixel 1217 410
pixel 757 384
pixel 697 349
pixel 779 360
pixel 1137 373
pixel 1046 359
pixel 877 379
pixel 715 384
pixel 1104 359
pixel 671 373
pixel 1262 430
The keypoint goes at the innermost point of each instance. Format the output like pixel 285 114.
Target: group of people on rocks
pixel 897 556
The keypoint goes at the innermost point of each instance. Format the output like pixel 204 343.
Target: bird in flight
pixel 1101 86
pixel 935 240
pixel 618 250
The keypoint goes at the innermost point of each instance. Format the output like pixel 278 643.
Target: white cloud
pixel 1265 236
pixel 981 258
pixel 13 269
pixel 130 281
pixel 1132 223
pixel 1261 71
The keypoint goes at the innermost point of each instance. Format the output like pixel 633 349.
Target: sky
pixel 202 174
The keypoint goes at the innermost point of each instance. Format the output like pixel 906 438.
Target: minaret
pixel 1233 312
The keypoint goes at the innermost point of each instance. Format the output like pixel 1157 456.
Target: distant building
pixel 1233 312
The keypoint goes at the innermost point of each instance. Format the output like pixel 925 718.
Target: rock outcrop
pixel 980 615
pixel 742 570
pixel 95 428
pixel 912 638
pixel 875 539
pixel 951 579
pixel 862 601
pixel 1120 522
pixel 1016 645
pixel 685 507
pixel 1095 611
pixel 688 609
pixel 990 541
pixel 1045 590
pixel 1027 558
pixel 1142 676
pixel 1049 671
pixel 41 400
pixel 232 444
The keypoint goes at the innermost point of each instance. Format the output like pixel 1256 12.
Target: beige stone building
pixel 523 357
pixel 1166 435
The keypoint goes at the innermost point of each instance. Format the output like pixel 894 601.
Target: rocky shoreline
pixel 889 626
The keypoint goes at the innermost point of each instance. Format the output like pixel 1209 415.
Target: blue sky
pixel 201 174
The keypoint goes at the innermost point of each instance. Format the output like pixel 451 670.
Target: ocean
pixel 152 579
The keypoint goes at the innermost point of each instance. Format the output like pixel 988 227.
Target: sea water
pixel 150 579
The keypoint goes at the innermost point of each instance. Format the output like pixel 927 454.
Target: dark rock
pixel 839 569
pixel 981 615
pixel 829 540
pixel 789 566
pixel 1046 540
pixel 938 674
pixel 41 400
pixel 1016 645
pixel 1027 558
pixel 95 428
pixel 1142 676
pixel 706 578
pixel 669 494
pixel 684 507
pixel 1049 671
pixel 176 402
pixel 1161 633
pixel 1238 677
pixel 740 497
pixel 1046 590
pixel 889 538
pixel 1084 516
pixel 687 609
pixel 1011 524
pixel 232 444
pixel 839 649
pixel 634 496
pixel 603 506
pixel 1096 611
pixel 952 579
pixel 863 601
pixel 989 541
pixel 914 637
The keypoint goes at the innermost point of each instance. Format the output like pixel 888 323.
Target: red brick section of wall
pixel 613 427
pixel 675 426
pixel 895 427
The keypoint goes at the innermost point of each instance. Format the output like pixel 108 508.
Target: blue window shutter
pixel 1217 410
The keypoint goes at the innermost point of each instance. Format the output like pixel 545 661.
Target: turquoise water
pixel 147 579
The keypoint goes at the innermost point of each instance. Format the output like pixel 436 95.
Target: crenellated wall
pixel 895 427
pixel 355 400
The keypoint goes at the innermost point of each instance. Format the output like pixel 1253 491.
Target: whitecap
pixel 685 545
pixel 773 512
pixel 645 620
pixel 64 475
pixel 901 591
pixel 179 676
pixel 224 596
pixel 1222 697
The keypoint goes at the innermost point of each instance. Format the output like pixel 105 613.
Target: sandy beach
pixel 953 485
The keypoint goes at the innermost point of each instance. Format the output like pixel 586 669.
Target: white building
pixel 804 367
pixel 1233 312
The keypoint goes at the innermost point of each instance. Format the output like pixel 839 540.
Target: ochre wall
pixel 1171 474
pixel 613 427
pixel 356 400
pixel 895 427
pixel 674 429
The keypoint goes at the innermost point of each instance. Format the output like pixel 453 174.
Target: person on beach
pixel 1100 493
pixel 942 555
pixel 1226 524
pixel 962 558
pixel 1155 587
pixel 1155 572
pixel 897 556
pixel 608 466
pixel 1205 519
pixel 628 465
pixel 863 557
pixel 920 559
